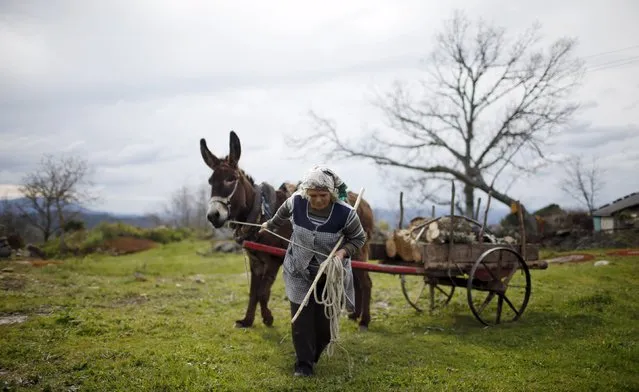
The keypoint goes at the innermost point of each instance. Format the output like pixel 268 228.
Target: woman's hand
pixel 263 228
pixel 341 254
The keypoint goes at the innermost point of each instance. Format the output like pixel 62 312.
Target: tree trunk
pixel 469 195
pixel 61 223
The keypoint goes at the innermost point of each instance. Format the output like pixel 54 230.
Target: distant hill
pixel 92 218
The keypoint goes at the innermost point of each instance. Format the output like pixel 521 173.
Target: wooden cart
pixel 496 276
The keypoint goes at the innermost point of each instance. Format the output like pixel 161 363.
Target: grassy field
pixel 91 325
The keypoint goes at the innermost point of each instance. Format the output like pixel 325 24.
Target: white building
pixel 620 214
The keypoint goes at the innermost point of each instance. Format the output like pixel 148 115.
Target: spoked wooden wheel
pixel 498 286
pixel 422 291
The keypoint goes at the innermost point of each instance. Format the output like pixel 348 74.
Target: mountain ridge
pixel 93 217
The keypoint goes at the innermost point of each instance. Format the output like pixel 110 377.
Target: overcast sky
pixel 133 85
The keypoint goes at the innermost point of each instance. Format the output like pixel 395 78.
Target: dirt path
pixel 623 252
pixel 571 258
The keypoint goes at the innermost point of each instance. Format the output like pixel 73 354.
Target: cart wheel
pixel 507 279
pixel 413 289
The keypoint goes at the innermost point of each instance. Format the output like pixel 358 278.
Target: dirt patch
pixel 42 263
pixel 126 245
pixel 35 262
pixel 131 299
pixel 572 258
pixel 13 319
pixel 624 252
pixel 12 282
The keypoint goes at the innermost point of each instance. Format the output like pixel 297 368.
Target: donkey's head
pixel 230 187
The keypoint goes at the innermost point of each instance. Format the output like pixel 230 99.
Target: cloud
pixel 10 191
pixel 133 86
pixel 600 137
pixel 631 106
pixel 589 105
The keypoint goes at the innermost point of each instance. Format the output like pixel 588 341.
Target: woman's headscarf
pixel 322 177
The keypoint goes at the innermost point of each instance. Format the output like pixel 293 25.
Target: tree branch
pixel 442 128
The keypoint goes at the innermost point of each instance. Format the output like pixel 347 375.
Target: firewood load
pixel 407 243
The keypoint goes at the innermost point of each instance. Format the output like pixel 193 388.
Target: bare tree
pixel 582 181
pixel 187 207
pixel 154 218
pixel 202 195
pixel 10 221
pixel 491 102
pixel 180 208
pixel 55 192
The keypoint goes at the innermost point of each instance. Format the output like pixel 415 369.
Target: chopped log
pixel 391 249
pixel 433 232
pixel 404 245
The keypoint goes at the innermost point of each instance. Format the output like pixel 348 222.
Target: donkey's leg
pixel 366 286
pixel 272 267
pixel 358 295
pixel 256 282
pixel 357 283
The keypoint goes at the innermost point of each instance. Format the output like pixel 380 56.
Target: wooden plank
pixel 469 253
pixel 465 267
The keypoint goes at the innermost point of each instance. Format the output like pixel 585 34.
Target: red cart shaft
pixel 361 265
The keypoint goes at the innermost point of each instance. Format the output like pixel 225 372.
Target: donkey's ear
pixel 210 159
pixel 235 149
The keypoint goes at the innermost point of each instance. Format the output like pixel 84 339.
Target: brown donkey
pixel 235 196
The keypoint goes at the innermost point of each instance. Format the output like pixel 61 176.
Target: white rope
pixel 333 298
pixel 246 270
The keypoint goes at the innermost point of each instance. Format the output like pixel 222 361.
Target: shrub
pixel 84 242
pixel 73 225
pixel 92 241
pixel 118 229
pixel 164 235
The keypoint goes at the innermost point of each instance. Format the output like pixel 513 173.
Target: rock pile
pixel 227 247
pixel 222 247
pixel 5 249
pixel 9 244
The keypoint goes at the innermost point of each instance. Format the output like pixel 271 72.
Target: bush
pixel 85 242
pixel 579 220
pixel 112 230
pixel 73 225
pixel 549 210
pixel 164 235
pixel 92 241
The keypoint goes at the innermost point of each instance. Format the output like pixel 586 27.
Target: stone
pixel 227 247
pixel 5 252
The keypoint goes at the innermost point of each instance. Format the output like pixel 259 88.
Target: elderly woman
pixel 320 216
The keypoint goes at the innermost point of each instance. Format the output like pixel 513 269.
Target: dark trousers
pixel 311 331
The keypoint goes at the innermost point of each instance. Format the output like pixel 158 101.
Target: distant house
pixel 622 213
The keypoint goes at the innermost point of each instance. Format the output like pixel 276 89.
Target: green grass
pixel 92 326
